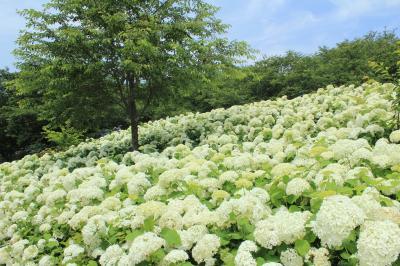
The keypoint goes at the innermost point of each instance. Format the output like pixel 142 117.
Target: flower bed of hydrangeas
pixel 309 181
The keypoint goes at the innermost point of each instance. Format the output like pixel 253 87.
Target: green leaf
pixel 245 226
pixel 184 264
pixel 292 199
pixel 302 246
pixel 345 255
pixel 52 244
pixel 158 255
pixel 149 224
pixel 310 236
pixel 315 204
pixel 132 235
pixel 235 235
pixel 260 261
pixel 294 208
pixel 171 236
pixel 228 257
pixel 277 196
pixel 92 263
pixel 46 236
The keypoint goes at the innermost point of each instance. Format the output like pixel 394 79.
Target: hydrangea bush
pixel 309 181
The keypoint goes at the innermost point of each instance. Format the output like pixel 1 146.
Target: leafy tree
pixel 87 59
pixel 347 63
pixel 20 131
pixel 295 74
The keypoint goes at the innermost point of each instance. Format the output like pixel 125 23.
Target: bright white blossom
pixel 283 227
pixel 297 186
pixel 395 136
pixel 290 257
pixel 212 178
pixel 379 243
pixel 111 256
pixel 244 256
pixel 319 257
pixel 175 256
pixel 72 251
pixel 206 248
pixel 335 220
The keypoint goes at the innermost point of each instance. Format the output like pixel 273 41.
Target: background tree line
pixel 29 123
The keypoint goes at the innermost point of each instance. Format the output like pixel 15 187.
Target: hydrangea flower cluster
pixel 311 180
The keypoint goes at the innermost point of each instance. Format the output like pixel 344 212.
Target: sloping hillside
pixel 313 180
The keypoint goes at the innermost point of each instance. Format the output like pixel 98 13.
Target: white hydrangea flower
pixel 175 256
pixel 206 248
pixel 319 257
pixel 335 220
pixel 378 244
pixel 297 186
pixel 343 148
pixel 154 192
pixel 5 257
pixel 111 256
pixel 92 231
pixel 395 136
pixel 283 227
pixel 44 261
pixel 368 202
pixel 137 183
pixel 45 227
pixel 244 256
pixel 72 251
pixel 30 252
pixel 171 219
pixel 143 246
pixel 18 247
pixel 170 176
pixel 290 257
pixel 228 176
pixel 190 236
pixel 283 169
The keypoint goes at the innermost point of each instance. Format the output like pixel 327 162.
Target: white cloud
pixel 346 9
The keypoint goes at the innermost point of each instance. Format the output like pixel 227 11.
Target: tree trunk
pixel 133 115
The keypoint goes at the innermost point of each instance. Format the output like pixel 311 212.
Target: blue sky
pixel 271 26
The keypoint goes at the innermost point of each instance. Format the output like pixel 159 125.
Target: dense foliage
pixel 292 74
pixel 20 129
pixel 91 61
pixel 348 63
pixel 314 180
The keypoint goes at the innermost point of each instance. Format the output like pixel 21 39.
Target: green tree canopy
pixel 82 61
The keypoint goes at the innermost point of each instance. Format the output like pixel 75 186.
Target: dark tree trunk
pixel 133 115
